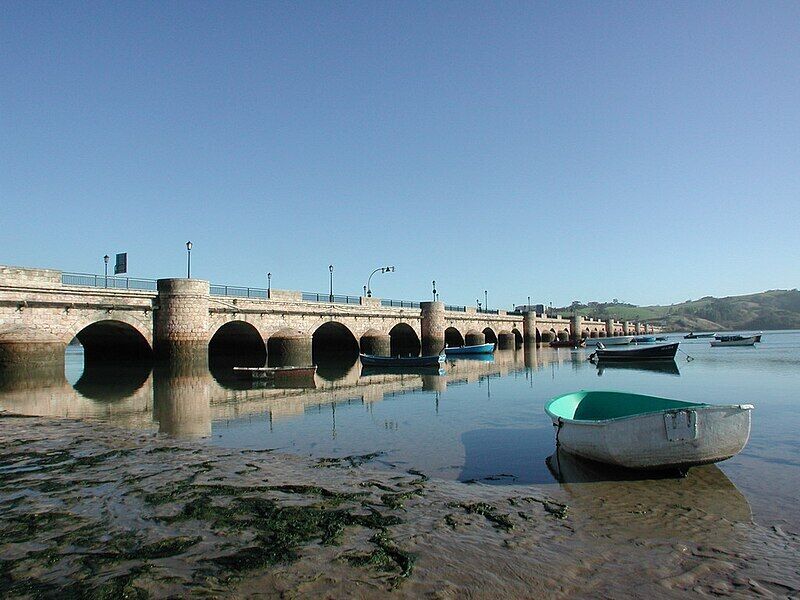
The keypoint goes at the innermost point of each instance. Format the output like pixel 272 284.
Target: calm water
pixel 481 420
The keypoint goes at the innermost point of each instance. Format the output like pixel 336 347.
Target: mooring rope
pixel 688 358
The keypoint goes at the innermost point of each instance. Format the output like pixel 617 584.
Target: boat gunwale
pixel 595 422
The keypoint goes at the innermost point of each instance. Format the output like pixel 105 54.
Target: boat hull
pixel 660 352
pixel 568 344
pixel 644 339
pixel 677 437
pixel 620 340
pixel 479 349
pixel 401 362
pixel 749 341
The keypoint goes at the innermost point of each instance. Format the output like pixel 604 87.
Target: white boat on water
pixel 619 340
pixel 735 340
pixel 647 432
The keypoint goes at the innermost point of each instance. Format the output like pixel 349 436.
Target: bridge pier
pixel 609 327
pixel 376 343
pixel 31 356
pixel 576 325
pixel 289 347
pixel 181 321
pixel 432 326
pixel 529 328
pixel 474 338
pixel 506 340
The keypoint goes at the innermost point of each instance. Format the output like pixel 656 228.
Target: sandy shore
pixel 89 510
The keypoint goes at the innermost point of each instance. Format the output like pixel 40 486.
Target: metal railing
pixel 452 308
pixel 400 303
pixel 110 282
pixel 336 299
pixel 235 291
pixel 486 311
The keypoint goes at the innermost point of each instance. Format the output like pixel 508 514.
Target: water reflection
pixel 667 367
pixel 702 505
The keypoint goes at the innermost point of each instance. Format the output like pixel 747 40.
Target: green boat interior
pixel 599 406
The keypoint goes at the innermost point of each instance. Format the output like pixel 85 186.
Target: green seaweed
pixel 487 511
pixel 386 557
pixel 395 500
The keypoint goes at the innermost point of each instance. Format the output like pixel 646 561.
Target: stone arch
pixel 563 335
pixel 539 336
pixel 333 339
pixel 489 335
pixel 453 337
pixel 113 341
pixel 518 337
pixel 404 341
pixel 585 333
pixel 473 337
pixel 593 334
pixel 144 327
pixel 602 333
pixel 289 347
pixel 237 344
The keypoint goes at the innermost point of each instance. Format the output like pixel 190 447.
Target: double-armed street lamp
pixel 269 284
pixel 105 260
pixel 330 268
pixel 382 270
pixel 434 290
pixel 478 302
pixel 188 260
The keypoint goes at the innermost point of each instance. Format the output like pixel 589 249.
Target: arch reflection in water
pixel 640 503
pixel 110 383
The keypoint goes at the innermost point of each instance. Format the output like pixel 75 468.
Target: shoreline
pixel 91 508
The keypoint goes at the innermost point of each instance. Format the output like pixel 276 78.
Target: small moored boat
pixel 650 352
pixel 401 361
pixel 661 338
pixel 757 336
pixel 696 336
pixel 647 432
pixel 734 340
pixel 568 344
pixel 477 349
pixel 617 340
pixel 644 339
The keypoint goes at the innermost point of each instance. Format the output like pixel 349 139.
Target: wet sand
pixel 90 510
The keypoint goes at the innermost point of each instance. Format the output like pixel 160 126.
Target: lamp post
pixel 486 299
pixel 382 270
pixel 478 302
pixel 529 304
pixel 105 260
pixel 269 285
pixel 434 290
pixel 330 268
pixel 188 260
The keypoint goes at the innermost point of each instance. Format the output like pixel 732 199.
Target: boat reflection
pixel 646 503
pixel 368 371
pixel 667 367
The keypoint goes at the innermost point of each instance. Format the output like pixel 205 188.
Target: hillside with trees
pixel 773 309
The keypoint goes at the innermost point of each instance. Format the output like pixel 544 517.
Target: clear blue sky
pixel 646 151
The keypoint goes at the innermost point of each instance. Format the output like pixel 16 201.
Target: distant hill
pixel 774 309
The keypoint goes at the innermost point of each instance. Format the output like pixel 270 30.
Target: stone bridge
pixel 182 319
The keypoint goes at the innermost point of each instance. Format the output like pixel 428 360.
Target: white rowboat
pixel 647 432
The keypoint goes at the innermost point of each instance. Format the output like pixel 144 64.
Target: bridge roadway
pixel 41 311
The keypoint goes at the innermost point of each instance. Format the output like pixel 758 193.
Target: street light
pixel 188 260
pixel 330 268
pixel 105 260
pixel 478 302
pixel 529 304
pixel 486 299
pixel 269 285
pixel 434 290
pixel 382 270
